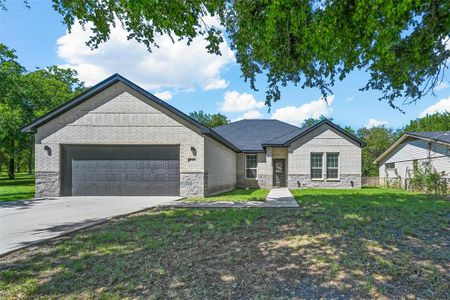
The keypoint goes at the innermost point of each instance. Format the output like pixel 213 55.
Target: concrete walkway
pixel 278 197
pixel 281 197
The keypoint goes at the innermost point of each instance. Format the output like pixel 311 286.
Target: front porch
pixel 263 169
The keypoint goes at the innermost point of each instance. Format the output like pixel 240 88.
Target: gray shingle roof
pixel 253 135
pixel 287 137
pixel 441 136
pixel 250 135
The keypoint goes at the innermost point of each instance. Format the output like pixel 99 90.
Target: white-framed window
pixel 317 165
pixel 390 166
pixel 332 165
pixel 251 164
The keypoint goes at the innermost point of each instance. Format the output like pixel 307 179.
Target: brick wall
pixel 117 115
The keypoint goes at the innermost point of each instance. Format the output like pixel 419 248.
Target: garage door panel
pixel 121 170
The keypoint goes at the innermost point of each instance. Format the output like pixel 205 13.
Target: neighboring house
pixel 425 147
pixel 118 139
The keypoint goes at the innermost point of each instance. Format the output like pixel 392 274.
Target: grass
pixel 235 195
pixel 22 187
pixel 369 243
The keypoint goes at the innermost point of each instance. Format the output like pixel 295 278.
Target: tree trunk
pixel 30 157
pixel 11 170
pixel 11 174
pixel 30 165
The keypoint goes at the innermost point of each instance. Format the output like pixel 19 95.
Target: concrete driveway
pixel 25 222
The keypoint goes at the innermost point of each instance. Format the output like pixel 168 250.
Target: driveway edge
pixel 87 226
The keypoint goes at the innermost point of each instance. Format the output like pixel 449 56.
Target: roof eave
pixel 101 86
pixel 252 151
pixel 390 148
pixel 400 140
pixel 273 145
pixel 429 139
pixel 31 127
pixel 214 135
pixel 331 124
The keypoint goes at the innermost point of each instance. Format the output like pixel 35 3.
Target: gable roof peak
pixel 108 82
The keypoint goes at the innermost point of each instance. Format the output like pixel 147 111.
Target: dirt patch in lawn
pixel 329 248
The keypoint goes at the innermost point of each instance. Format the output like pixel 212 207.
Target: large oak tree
pixel 402 44
pixel 25 96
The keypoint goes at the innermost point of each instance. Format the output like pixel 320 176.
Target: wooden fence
pixel 371 181
pixel 390 182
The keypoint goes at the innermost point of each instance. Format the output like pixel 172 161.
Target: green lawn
pixel 369 243
pixel 236 195
pixel 20 188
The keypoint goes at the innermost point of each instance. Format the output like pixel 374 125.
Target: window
pixel 251 163
pixel 316 165
pixel 390 166
pixel 332 165
pixel 426 164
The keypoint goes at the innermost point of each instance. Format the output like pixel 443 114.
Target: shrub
pixel 428 180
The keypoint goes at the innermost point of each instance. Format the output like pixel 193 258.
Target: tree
pixel 313 121
pixel 25 96
pixel 210 120
pixel 403 45
pixel 10 82
pixel 378 139
pixel 350 130
pixel 434 122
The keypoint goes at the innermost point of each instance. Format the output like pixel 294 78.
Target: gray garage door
pixel 121 171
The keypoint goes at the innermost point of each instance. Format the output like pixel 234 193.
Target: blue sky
pixel 190 79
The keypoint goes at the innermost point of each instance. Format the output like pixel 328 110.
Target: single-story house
pixel 118 139
pixel 424 147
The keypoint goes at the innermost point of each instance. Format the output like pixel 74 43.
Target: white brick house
pixel 118 139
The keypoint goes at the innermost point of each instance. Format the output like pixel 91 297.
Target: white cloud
pixel 164 95
pixel 375 123
pixel 215 85
pixel 442 105
pixel 252 114
pixel 172 65
pixel 296 115
pixel 350 99
pixel 234 101
pixel 441 86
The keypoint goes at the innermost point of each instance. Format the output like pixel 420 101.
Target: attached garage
pixel 117 139
pixel 114 170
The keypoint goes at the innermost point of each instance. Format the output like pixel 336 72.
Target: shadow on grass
pixel 365 244
pixel 22 187
pixel 21 179
pixel 16 196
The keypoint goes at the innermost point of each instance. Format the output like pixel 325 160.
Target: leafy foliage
pixel 25 96
pixel 403 44
pixel 435 122
pixel 428 180
pixel 313 121
pixel 377 139
pixel 210 120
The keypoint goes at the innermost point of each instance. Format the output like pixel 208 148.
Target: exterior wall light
pixel 48 150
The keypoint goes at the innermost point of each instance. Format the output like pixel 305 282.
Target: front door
pixel 279 172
